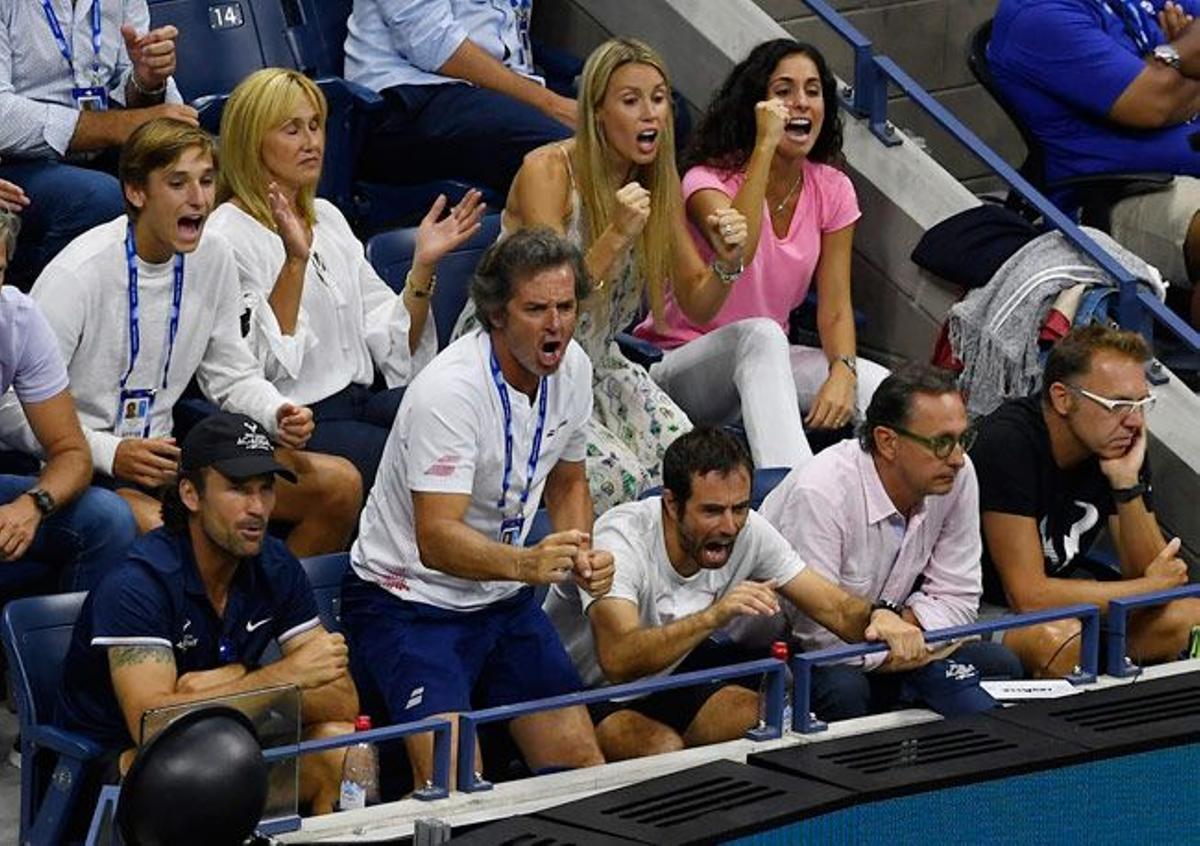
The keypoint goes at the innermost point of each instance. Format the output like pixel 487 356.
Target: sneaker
pixel 14 754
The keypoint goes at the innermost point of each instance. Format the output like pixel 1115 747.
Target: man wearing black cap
pixel 190 612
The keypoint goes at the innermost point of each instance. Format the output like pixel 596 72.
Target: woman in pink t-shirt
pixel 766 147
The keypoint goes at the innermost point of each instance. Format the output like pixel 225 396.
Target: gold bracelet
pixel 420 293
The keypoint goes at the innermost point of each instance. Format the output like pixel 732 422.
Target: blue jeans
pixel 65 200
pixel 841 692
pixel 82 541
pixel 427 132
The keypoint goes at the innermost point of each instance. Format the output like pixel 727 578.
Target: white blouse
pixel 350 321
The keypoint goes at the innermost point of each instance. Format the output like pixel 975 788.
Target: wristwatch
pixel 43 501
pixel 884 605
pixel 850 361
pixel 1130 494
pixel 1168 55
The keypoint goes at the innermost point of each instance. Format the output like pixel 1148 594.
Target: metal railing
pixel 1117 661
pixel 770 725
pixel 805 721
pixel 867 98
pixel 437 788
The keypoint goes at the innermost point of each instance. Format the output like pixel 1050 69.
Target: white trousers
pixel 748 371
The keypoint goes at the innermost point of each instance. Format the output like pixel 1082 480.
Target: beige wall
pixel 928 39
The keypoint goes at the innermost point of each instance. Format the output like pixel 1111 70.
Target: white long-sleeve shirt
pixel 349 320
pixel 84 293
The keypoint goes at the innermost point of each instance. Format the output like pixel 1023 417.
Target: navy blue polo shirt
pixel 156 598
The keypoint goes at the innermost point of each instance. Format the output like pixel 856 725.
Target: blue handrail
pixel 437 788
pixel 1117 662
pixel 870 90
pixel 770 726
pixel 805 722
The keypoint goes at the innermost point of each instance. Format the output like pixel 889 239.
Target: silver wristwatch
pixel 850 361
pixel 1168 55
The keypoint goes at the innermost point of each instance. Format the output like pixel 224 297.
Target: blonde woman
pixel 613 189
pixel 321 319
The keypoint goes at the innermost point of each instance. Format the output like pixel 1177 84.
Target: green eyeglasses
pixel 941 445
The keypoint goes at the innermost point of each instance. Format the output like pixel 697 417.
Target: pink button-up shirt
pixel 838 517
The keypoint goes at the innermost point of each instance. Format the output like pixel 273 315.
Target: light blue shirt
pixel 404 42
pixel 37 113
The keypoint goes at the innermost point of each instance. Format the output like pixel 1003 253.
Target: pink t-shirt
pixel 778 278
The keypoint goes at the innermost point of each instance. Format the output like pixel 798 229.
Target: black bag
pixel 969 247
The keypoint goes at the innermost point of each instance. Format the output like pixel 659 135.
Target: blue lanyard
pixel 502 389
pixel 135 335
pixel 64 45
pixel 1130 13
pixel 521 10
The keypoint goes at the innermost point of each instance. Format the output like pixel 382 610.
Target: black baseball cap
pixel 234 445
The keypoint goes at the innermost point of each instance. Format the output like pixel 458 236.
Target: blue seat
pixel 325 574
pixel 36 634
pixel 764 481
pixel 391 254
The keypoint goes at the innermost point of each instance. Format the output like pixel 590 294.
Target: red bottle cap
pixel 362 723
pixel 779 650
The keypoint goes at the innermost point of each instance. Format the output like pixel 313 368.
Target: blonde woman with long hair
pixel 613 189
pixel 321 319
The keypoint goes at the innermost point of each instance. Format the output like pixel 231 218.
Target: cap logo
pixel 253 439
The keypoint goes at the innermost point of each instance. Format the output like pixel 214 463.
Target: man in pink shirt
pixel 894 517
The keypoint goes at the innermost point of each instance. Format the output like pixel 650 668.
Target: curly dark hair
pixel 725 137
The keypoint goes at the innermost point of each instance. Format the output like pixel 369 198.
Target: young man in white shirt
pixel 688 564
pixel 140 305
pixel 440 613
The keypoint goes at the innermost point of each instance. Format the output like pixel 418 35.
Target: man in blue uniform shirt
pixel 1111 86
pixel 194 606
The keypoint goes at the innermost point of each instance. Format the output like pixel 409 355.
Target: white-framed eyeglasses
pixel 1116 407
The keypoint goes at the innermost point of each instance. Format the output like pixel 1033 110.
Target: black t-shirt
pixel 1017 475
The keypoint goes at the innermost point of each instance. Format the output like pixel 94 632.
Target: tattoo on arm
pixel 121 656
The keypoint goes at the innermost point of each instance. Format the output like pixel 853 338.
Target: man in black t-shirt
pixel 1053 471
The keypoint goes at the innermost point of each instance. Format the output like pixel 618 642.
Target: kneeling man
pixel 688 564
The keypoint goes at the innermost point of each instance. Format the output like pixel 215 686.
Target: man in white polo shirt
pixel 688 564
pixel 441 613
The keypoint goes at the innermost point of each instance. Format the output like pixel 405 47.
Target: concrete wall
pixel 928 38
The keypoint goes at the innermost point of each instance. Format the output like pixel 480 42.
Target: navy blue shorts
pixel 425 660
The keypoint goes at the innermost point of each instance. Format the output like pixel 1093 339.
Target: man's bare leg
pixel 561 738
pixel 322 506
pixel 627 734
pixel 727 715
pixel 1047 651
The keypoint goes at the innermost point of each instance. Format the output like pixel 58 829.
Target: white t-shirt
pixel 633 533
pixel 349 320
pixel 84 293
pixel 448 437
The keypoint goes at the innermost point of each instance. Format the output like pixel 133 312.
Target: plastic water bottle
pixel 780 652
pixel 360 772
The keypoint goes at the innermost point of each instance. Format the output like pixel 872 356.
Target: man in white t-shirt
pixel 688 564
pixel 140 305
pixel 442 617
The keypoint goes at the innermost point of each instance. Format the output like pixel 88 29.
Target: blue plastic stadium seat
pixel 764 481
pixel 325 574
pixel 36 634
pixel 391 253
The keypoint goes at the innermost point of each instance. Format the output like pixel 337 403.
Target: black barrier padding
pixel 527 831
pixel 914 759
pixel 1139 716
pixel 711 803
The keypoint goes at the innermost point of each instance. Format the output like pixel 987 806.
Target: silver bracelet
pixel 727 276
pixel 147 92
